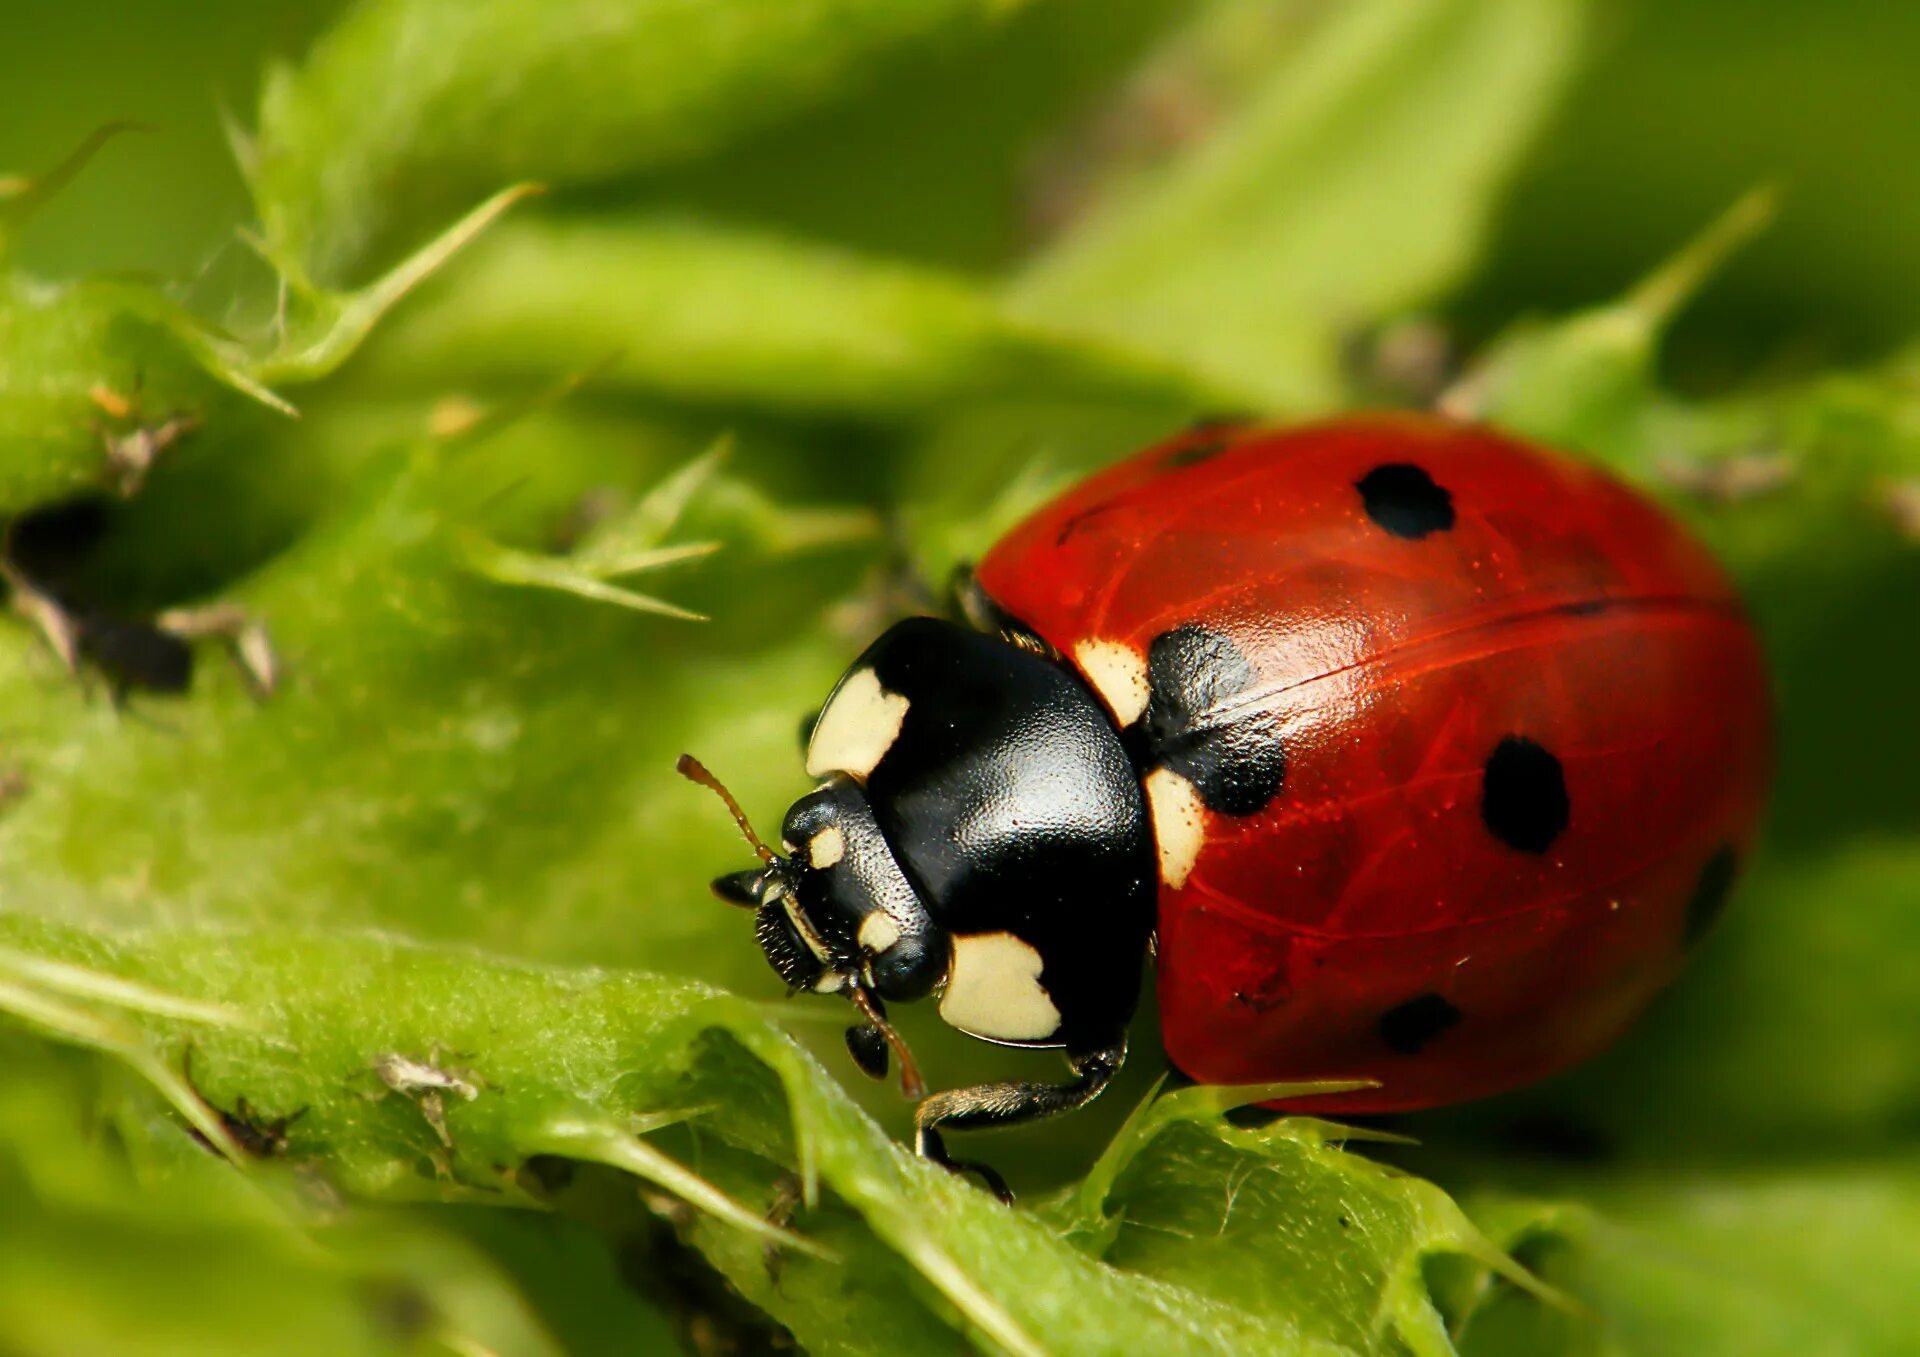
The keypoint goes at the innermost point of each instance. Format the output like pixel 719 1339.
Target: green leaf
pixel 1354 185
pixel 1812 956
pixel 436 1073
pixel 1588 381
pixel 1788 1261
pixel 619 545
pixel 167 1250
pixel 704 313
pixel 22 197
pixel 403 109
pixel 82 369
pixel 100 378
pixel 419 942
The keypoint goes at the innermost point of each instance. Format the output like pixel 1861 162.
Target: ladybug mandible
pixel 1413 753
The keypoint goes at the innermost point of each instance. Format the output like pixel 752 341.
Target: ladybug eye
pixel 792 960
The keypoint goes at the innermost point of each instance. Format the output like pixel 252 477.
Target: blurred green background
pixel 821 288
pixel 1674 111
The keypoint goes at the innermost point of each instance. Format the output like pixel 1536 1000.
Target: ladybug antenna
pixel 912 1087
pixel 693 770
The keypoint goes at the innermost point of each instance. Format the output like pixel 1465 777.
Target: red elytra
pixel 1449 629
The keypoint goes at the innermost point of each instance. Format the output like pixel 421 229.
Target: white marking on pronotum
pixel 826 848
pixel 994 990
pixel 859 725
pixel 1179 824
pixel 879 931
pixel 1118 673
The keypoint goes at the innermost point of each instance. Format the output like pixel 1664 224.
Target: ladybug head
pixel 834 914
pixel 977 831
pixel 834 911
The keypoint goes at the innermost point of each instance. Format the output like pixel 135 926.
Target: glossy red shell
pixel 1559 606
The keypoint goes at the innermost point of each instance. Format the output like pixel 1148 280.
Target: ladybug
pixel 1410 752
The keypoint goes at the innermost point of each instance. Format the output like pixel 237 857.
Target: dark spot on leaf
pixel 1408 1028
pixel 401 1308
pixel 136 654
pixel 653 1260
pixel 1403 499
pixel 52 543
pixel 257 1135
pixel 51 550
pixel 547 1175
pixel 1710 892
pixel 1523 795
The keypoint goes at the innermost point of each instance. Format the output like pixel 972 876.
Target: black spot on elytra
pixel 1523 795
pixel 258 1135
pixel 1403 499
pixel 1409 1027
pixel 1710 892
pixel 1234 759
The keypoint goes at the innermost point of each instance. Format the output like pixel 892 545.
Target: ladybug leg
pixel 932 1147
pixel 968 602
pixel 987 1106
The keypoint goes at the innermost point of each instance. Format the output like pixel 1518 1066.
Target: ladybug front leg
pixel 987 1106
